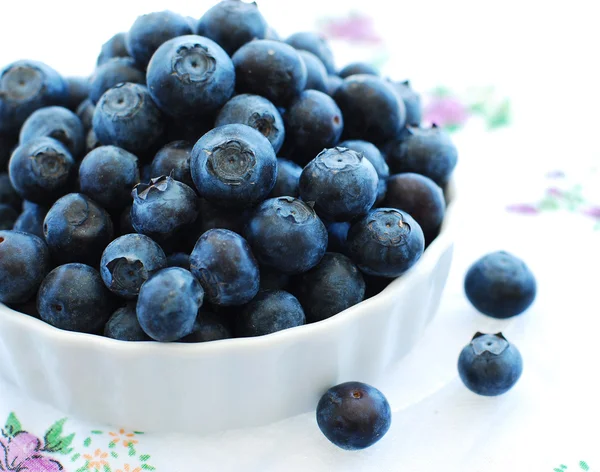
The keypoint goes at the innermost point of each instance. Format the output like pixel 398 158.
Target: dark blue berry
pixel 213 217
pixel 334 82
pixel 124 325
pixel 190 76
pixel 233 23
pixel 7 145
pixel 114 47
pixel 288 179
pixel 269 312
pixel 73 297
pixel 342 183
pixel 113 72
pixel 271 69
pixel 489 365
pixel 77 230
pixel 168 304
pixel 31 220
pixel 425 151
pixel 78 89
pixel 338 236
pixel 26 86
pixel 127 117
pixel 272 279
pixel 128 262
pixel 500 285
pixel 208 327
pixel 234 165
pixel 85 113
pixel 8 195
pixel 358 68
pixel 372 110
pixel 286 234
pixel 24 262
pixel 353 415
pixel 386 243
pixel 91 141
pixel 314 43
pixel 150 31
pixel 334 285
pixel 8 216
pixel 108 174
pixel 162 207
pixel 125 226
pixel 41 170
pixel 374 156
pixel 412 102
pixel 189 129
pixel 316 73
pixel 226 268
pixel 256 112
pixel 421 198
pixel 313 122
pixel 179 259
pixel 173 159
pixel 58 123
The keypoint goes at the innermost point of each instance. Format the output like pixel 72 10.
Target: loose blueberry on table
pixel 206 155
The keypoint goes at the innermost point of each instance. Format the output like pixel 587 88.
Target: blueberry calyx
pixel 49 163
pixel 16 83
pixel 194 64
pixel 126 273
pixel 124 101
pixel 231 162
pixel 391 230
pixel 263 122
pixel 494 344
pixel 294 210
pixel 159 184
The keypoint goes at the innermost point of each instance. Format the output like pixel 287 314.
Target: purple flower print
pixel 446 111
pixel 23 453
pixel 523 209
pixel 592 211
pixel 356 28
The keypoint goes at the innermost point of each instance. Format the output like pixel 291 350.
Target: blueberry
pixel 127 117
pixel 58 123
pixel 233 23
pixel 85 113
pixel 313 122
pixel 124 325
pixel 412 102
pixel 271 69
pixel 208 327
pixel 31 220
pixel 91 141
pixel 214 217
pixel 113 72
pixel 8 217
pixel 114 47
pixel 168 304
pixel 334 82
pixel 357 68
pixel 342 183
pixel 108 174
pixel 7 145
pixel 189 129
pixel 150 31
pixel 353 415
pixel 425 151
pixel 190 76
pixel 8 195
pixel 286 234
pixel 179 259
pixel 174 159
pixel 374 156
pixel 386 243
pixel 338 236
pixel 316 73
pixel 421 198
pixel 226 267
pixel 371 108
pixel 72 297
pixel 24 262
pixel 41 170
pixel 128 262
pixel 234 165
pixel 489 365
pixel 125 226
pixel 288 179
pixel 314 43
pixel 271 279
pixel 334 285
pixel 77 229
pixel 500 285
pixel 26 86
pixel 162 207
pixel 269 312
pixel 272 34
pixel 375 285
pixel 256 112
pixel 78 89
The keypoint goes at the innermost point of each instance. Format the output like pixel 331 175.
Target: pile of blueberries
pixel 209 181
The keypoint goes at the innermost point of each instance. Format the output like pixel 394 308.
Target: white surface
pixel 543 54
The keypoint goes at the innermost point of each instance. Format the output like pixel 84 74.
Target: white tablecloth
pixel 532 188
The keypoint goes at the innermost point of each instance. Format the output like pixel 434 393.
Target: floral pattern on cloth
pixel 583 465
pixel 22 451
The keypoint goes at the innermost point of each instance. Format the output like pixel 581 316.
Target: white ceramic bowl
pixel 233 383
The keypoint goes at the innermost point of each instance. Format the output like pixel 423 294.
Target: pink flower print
pixel 22 453
pixel 446 111
pixel 355 28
